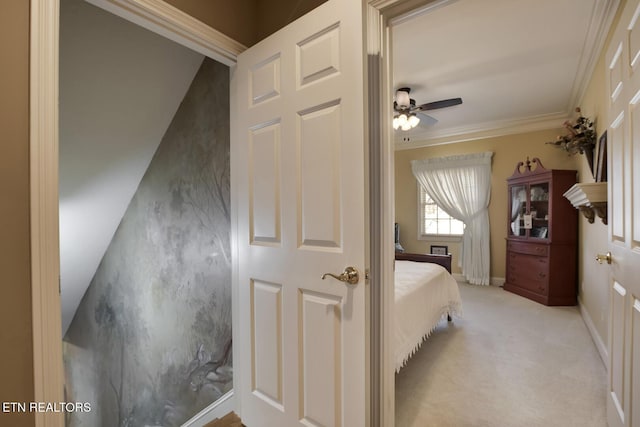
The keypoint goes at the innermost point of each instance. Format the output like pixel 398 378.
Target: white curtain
pixel 461 186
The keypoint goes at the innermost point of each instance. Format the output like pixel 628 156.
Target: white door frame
pixel 162 18
pixel 381 16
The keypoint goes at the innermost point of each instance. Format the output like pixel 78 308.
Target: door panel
pixel 266 339
pixel 319 55
pixel 319 177
pixel 635 168
pixel 623 59
pixel 264 190
pixel 298 162
pixel 320 362
pixel 617 374
pixel 617 178
pixel 264 80
pixel 635 360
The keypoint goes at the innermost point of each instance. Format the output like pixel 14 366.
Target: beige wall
pixel 275 14
pixel 236 18
pixel 593 277
pixel 508 151
pixel 16 358
pixel 246 21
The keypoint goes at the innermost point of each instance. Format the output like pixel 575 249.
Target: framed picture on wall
pixel 439 250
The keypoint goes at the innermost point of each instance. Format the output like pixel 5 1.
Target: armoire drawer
pixel 539 287
pixel 528 272
pixel 528 248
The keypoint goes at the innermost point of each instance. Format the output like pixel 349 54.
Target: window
pixel 433 220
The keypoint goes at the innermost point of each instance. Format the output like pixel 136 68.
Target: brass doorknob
pixel 350 275
pixel 606 257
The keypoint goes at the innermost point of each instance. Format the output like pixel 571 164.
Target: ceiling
pixel 518 65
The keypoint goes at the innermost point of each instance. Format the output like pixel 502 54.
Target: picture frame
pixel 439 250
pixel 601 160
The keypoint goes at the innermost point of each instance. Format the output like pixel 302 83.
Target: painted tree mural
pixel 150 344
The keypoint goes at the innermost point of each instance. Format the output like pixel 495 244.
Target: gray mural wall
pixel 150 344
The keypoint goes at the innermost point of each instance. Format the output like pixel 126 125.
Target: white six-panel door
pixel 298 160
pixel 623 121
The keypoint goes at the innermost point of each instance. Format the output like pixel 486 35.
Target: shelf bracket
pixel 590 199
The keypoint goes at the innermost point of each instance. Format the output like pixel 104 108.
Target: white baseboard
pixel 493 281
pixel 217 409
pixel 497 281
pixel 597 340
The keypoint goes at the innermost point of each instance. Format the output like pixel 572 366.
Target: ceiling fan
pixel 406 111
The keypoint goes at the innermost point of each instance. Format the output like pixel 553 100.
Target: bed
pixel 425 293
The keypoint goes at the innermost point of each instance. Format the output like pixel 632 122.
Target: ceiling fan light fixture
pixel 400 121
pixel 414 120
pixel 405 109
pixel 402 97
pixel 405 121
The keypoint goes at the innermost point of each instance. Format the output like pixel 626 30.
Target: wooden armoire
pixel 542 235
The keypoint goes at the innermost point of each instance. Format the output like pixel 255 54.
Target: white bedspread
pixel 424 293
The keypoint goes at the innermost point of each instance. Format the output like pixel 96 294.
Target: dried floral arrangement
pixel 581 138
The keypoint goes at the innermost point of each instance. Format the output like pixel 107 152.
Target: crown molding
pixel 419 11
pixel 483 130
pixel 604 12
pixel 602 16
pixel 174 24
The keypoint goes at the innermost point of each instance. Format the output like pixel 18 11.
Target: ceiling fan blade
pixel 439 104
pixel 426 120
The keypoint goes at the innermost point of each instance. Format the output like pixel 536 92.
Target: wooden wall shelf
pixel 590 199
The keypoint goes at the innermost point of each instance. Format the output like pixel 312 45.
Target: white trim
pixel 387 209
pixel 419 11
pixel 43 118
pixel 45 257
pixel 601 20
pixel 377 227
pixel 483 130
pixel 235 256
pixel 217 409
pixel 381 4
pixel 381 218
pixel 597 340
pixel 448 238
pixel 172 23
pixel 619 289
pixel 497 281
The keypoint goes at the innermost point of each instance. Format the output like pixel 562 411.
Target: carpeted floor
pixel 509 362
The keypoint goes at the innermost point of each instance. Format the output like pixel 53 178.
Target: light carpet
pixel 509 362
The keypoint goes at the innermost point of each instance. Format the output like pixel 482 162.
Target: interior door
pixel 623 120
pixel 298 154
